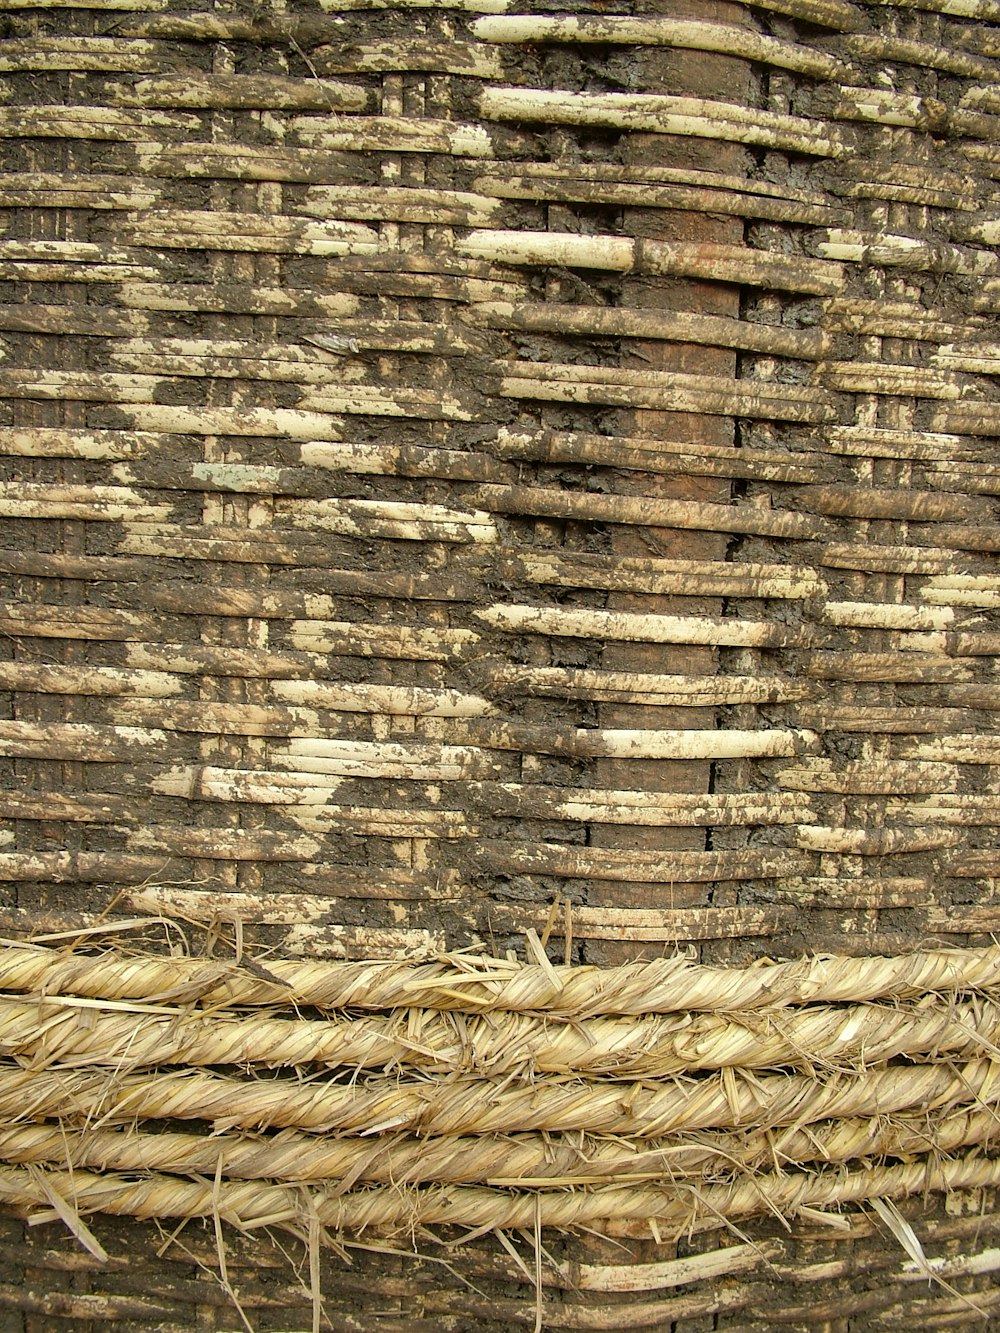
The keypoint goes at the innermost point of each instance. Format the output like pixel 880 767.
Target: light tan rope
pixel 482 1106
pixel 254 1204
pixel 823 1036
pixel 472 984
pixel 516 1160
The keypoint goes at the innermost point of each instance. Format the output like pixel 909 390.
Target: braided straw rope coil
pixel 397 1117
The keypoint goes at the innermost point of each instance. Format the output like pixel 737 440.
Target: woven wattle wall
pixel 473 474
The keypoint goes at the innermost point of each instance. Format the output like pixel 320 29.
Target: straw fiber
pixel 498 645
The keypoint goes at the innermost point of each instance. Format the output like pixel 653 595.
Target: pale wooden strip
pixel 85 4
pixel 416 762
pixel 889 250
pixel 606 742
pixel 115 55
pixel 666 926
pixel 973 358
pixel 216 718
pixel 884 443
pixel 44 620
pixel 402 460
pixel 870 666
pixel 643 687
pixel 887 777
pixel 31 189
pixel 881 106
pixel 373 400
pixel 580 183
pixel 88 321
pixel 971 9
pixel 636 627
pixel 242 92
pixel 15 271
pixel 661 867
pixel 264 234
pixel 971 416
pixel 80 386
pixel 645 809
pixel 888 615
pixel 859 894
pixel 230 298
pixel 744 398
pixel 664 115
pixel 674 326
pixel 889 559
pixel 70 252
pixel 310 933
pixel 875 842
pixel 52 678
pixel 461 208
pixel 270 423
pixel 385 700
pixel 885 46
pixel 640 510
pixel 986 696
pixel 98 504
pixel 393 519
pixel 381 277
pixel 399 134
pixel 473 60
pixel 659 455
pixel 688 34
pixel 961 749
pixel 647 175
pixel 79 867
pixel 948 808
pixel 899 504
pixel 393 641
pixel 882 378
pixel 622 254
pixel 78 741
pixel 837 14
pixel 873 720
pixel 897 319
pixel 709 578
pixel 90 122
pixel 223 844
pixel 84 808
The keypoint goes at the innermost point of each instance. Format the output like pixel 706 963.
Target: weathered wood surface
pixel 467 471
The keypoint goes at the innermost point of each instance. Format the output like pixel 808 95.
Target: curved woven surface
pixel 482 477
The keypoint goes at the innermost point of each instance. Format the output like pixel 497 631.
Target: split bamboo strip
pixel 664 115
pixel 684 34
pixel 622 254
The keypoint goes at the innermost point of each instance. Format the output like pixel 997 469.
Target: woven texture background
pixel 469 473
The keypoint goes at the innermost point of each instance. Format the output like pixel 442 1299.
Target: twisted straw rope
pixel 470 984
pixel 481 1106
pixel 514 1160
pixel 57 1031
pixel 254 1204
